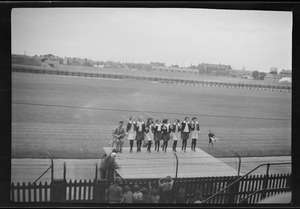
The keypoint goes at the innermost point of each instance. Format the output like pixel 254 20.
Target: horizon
pixel 253 40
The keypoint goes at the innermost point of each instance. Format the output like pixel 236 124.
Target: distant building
pixel 273 70
pixel 173 69
pixel 158 64
pixel 216 69
pixel 286 73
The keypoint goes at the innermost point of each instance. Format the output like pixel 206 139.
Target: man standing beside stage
pixel 119 134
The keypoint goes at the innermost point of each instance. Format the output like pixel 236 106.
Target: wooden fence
pixel 149 78
pixel 94 191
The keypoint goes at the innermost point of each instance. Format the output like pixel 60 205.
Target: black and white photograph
pixel 151 106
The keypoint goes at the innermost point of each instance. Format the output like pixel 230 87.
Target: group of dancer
pixel 150 132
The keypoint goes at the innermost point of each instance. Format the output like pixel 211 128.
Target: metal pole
pixel 65 169
pixel 96 172
pixel 240 161
pixel 176 164
pixel 52 170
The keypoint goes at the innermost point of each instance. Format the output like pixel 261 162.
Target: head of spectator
pixel 136 188
pixel 154 192
pixel 126 189
pixel 165 121
pixel 144 191
pixel 186 119
pixel 113 155
pixel 117 180
pixel 168 179
pixel 121 124
pixel 194 119
pixel 131 118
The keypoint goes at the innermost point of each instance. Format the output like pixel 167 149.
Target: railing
pixel 94 191
pixel 239 179
pixel 167 80
pixel 279 190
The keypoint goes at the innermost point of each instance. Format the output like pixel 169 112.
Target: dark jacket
pixel 183 124
pixel 143 128
pixel 164 129
pixel 174 127
pixel 195 127
pixel 129 124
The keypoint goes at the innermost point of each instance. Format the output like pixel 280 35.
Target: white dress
pixel 149 135
pixel 195 133
pixel 131 133
pixel 175 135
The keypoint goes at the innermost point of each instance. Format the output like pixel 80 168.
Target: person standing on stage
pixel 149 133
pixel 195 132
pixel 185 132
pixel 166 130
pixel 140 132
pixel 157 134
pixel 131 131
pixel 175 133
pixel 119 134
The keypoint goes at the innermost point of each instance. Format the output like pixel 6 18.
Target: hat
pixel 113 154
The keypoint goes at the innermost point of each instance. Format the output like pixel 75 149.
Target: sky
pixel 255 40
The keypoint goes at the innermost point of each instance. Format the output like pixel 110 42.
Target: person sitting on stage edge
pixel 119 134
pixel 108 163
pixel 166 189
pixel 114 192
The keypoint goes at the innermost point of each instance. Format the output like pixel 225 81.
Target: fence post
pixel 99 191
pixel 233 191
pixel 58 191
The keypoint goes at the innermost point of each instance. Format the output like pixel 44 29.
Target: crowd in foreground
pixel 150 132
pixel 163 193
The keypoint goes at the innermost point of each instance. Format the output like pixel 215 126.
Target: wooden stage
pixel 160 164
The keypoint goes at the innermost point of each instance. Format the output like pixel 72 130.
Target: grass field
pixel 72 117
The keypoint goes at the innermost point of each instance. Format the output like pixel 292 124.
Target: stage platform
pixel 160 164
